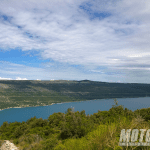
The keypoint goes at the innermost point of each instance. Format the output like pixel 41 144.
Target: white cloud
pixel 63 32
pixel 18 78
pixel 47 73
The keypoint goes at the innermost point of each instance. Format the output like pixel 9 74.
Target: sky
pixel 98 40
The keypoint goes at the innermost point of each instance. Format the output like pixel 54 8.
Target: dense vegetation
pixel 26 93
pixel 76 130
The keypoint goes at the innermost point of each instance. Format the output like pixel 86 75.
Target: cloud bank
pixel 107 38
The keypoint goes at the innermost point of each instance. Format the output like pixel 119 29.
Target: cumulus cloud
pixel 18 78
pixel 80 32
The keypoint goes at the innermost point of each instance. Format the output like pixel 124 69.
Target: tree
pixel 55 119
pixel 76 125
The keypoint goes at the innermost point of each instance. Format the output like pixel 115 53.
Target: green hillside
pixel 24 93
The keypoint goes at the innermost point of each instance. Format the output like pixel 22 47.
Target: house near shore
pixel 7 145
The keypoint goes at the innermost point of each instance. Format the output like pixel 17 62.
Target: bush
pixel 76 125
pixel 55 119
pixel 31 120
pixel 60 147
pixel 18 132
pixel 38 123
pixel 49 143
pixel 16 141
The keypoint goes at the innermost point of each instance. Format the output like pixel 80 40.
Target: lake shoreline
pixel 67 102
pixel 46 105
pixel 25 107
pixel 89 106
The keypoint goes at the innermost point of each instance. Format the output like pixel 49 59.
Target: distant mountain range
pixel 24 93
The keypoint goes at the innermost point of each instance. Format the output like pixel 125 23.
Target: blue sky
pixel 104 41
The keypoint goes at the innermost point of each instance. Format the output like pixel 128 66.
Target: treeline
pixel 76 130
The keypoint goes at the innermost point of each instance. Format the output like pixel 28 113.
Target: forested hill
pixel 15 93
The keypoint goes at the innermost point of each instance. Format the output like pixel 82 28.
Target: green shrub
pixel 38 123
pixel 49 143
pixel 55 119
pixel 60 147
pixel 76 125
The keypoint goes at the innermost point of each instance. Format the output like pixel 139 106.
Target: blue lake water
pixel 90 107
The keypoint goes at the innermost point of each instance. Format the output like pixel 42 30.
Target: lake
pixel 90 107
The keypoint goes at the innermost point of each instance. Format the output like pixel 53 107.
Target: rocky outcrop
pixel 7 145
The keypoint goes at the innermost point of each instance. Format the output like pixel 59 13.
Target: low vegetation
pixel 76 130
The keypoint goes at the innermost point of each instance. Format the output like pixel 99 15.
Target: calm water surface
pixel 90 107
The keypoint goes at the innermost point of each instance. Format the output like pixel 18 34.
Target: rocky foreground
pixel 7 145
